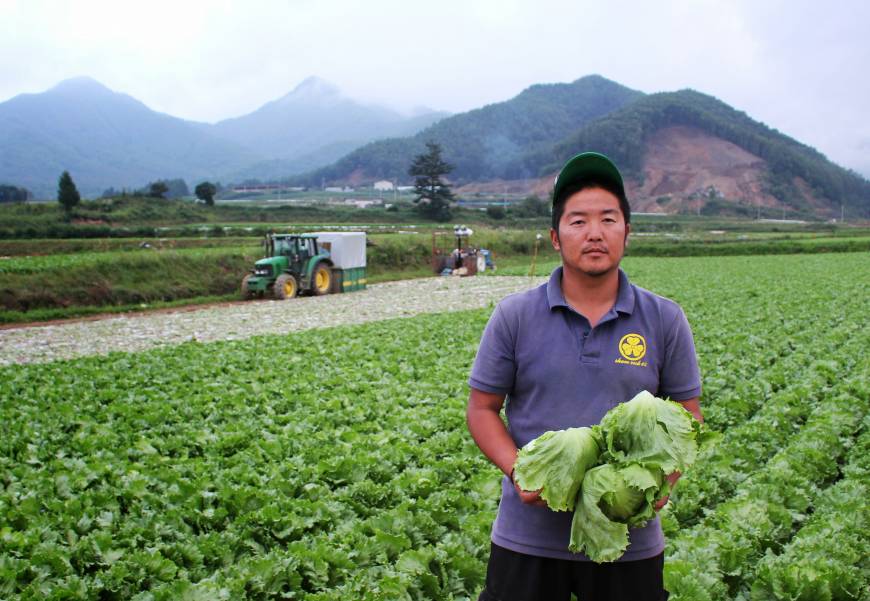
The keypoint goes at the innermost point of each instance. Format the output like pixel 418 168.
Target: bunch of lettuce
pixel 611 475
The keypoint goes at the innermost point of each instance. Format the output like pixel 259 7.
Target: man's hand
pixel 672 481
pixel 530 498
pixel 692 406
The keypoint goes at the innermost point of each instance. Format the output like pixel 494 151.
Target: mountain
pixel 103 138
pixel 680 151
pixel 686 150
pixel 315 120
pixel 485 142
pixel 107 139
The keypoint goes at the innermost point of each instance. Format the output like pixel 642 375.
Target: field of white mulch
pixel 136 332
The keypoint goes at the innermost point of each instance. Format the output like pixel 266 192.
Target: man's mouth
pixel 595 249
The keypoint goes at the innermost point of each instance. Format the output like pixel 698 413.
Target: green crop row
pixel 749 445
pixel 828 558
pixel 766 509
pixel 129 278
pixel 48 264
pixel 317 463
pixel 335 464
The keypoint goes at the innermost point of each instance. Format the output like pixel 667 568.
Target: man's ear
pixel 554 240
pixel 627 232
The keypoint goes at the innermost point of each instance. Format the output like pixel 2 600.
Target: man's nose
pixel 593 231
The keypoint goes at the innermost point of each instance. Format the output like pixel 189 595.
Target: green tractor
pixel 294 264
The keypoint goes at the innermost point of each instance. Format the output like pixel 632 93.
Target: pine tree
pixel 433 195
pixel 67 193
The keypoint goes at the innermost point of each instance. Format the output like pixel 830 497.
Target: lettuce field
pixel 335 464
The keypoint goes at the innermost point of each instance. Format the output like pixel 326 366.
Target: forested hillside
pixel 624 134
pixel 487 143
pixel 530 136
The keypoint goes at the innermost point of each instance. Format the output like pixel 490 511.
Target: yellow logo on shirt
pixel 632 347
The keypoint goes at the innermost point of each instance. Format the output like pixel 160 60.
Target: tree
pixel 9 193
pixel 176 188
pixel 67 193
pixel 433 195
pixel 158 189
pixel 531 206
pixel 495 212
pixel 205 191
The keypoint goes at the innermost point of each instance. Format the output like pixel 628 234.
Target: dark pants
pixel 513 576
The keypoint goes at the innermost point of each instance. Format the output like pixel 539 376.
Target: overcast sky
pixel 800 66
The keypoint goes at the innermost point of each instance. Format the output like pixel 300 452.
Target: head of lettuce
pixel 612 474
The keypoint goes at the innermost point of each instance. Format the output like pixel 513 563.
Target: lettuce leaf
pixel 651 431
pixel 612 500
pixel 555 464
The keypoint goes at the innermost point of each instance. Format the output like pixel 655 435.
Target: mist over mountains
pixel 681 151
pixel 108 139
pixel 488 143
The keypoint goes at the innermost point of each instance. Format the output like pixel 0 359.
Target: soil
pixel 131 314
pixel 133 332
pixel 684 161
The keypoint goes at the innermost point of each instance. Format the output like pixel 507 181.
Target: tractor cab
pixel 298 249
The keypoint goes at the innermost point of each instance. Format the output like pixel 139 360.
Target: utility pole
pixel 535 256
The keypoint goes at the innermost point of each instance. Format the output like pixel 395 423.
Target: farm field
pixel 61 278
pixel 334 463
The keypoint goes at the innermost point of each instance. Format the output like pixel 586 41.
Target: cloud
pixel 795 65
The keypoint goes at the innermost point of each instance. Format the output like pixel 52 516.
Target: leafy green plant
pixel 335 464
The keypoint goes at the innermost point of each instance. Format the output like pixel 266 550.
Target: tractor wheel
pixel 246 294
pixel 321 279
pixel 286 286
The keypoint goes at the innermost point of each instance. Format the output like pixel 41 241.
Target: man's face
pixel 592 232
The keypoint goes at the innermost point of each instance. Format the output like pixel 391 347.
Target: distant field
pixel 43 279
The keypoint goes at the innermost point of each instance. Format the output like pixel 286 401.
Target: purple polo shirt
pixel 557 373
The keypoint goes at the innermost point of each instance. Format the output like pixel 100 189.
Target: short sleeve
pixel 494 368
pixel 680 377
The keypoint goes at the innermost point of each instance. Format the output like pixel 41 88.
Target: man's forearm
pixel 489 432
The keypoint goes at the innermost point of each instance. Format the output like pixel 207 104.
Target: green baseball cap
pixel 588 165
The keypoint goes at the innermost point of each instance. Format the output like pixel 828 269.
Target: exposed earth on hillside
pixel 683 169
pixel 684 166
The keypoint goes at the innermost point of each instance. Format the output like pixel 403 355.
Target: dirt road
pixel 141 331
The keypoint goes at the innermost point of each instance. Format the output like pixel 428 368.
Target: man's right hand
pixel 530 497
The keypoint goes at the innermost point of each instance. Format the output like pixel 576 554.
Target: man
pixel 562 355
